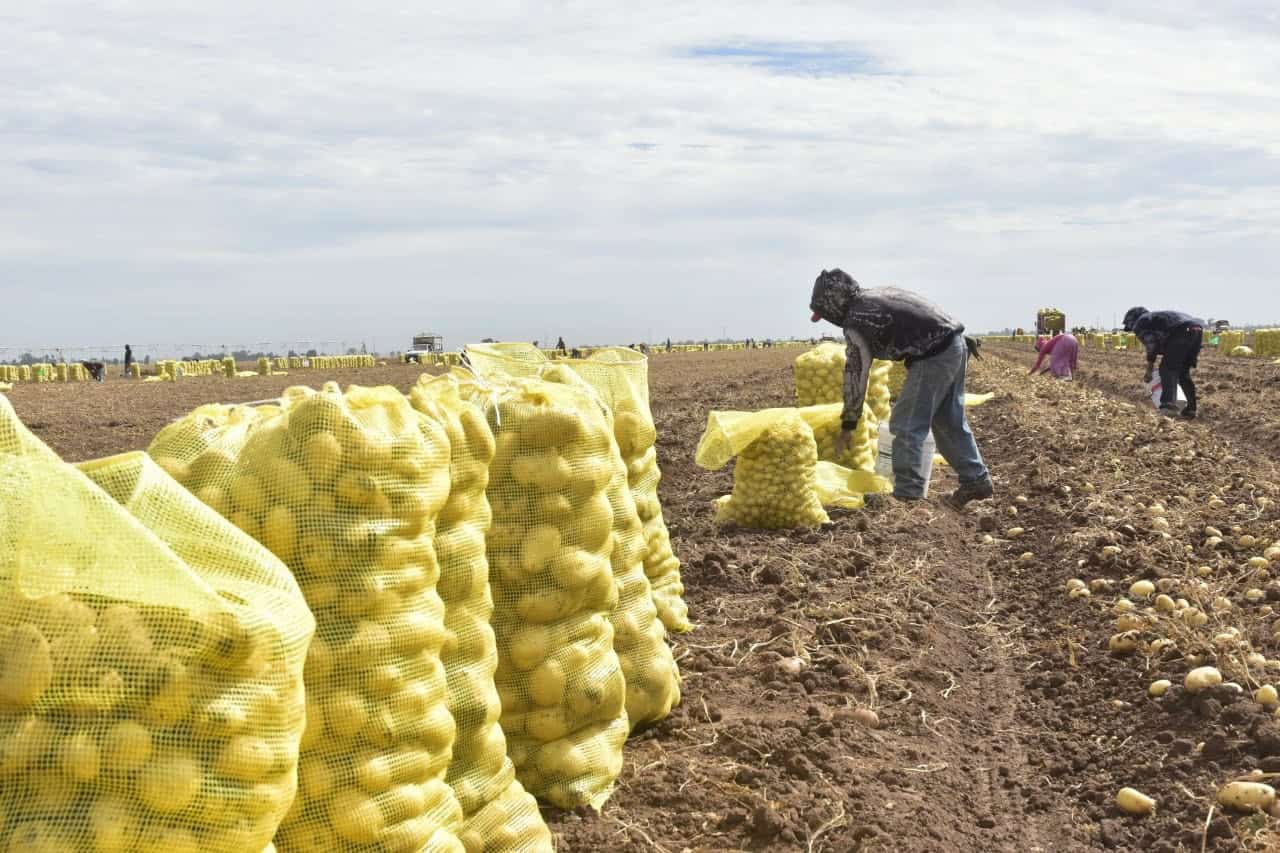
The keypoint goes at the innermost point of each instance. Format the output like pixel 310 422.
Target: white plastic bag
pixel 1156 389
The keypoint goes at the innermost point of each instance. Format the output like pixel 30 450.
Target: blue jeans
pixel 933 397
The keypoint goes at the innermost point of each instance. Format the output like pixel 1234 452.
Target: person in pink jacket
pixel 1063 351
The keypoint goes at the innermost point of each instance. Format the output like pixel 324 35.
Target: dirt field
pixel 1004 722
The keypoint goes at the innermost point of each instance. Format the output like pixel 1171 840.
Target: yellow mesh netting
pixel 878 393
pixel 653 683
pixel 346 488
pixel 820 383
pixel 897 376
pixel 150 663
pixel 620 376
pixel 562 688
pixel 825 422
pixel 499 814
pixel 774 479
pixel 820 375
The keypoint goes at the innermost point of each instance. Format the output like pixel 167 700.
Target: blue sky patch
pixel 814 59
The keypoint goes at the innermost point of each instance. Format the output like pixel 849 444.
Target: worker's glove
pixel 972 344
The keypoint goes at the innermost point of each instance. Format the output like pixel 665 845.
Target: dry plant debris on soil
pixel 1001 720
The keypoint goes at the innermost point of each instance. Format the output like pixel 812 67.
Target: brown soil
pixel 1004 723
pixel 86 420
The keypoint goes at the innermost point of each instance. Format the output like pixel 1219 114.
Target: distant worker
pixel 1177 338
pixel 577 353
pixel 128 359
pixel 94 368
pixel 560 348
pixel 1063 352
pixel 668 344
pixel 897 325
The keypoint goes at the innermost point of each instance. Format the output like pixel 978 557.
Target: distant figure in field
pixel 1063 352
pixel 94 368
pixel 577 353
pixel 668 344
pixel 128 359
pixel 560 348
pixel 1177 338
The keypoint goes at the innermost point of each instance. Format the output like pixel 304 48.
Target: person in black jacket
pixel 1176 338
pixel 896 325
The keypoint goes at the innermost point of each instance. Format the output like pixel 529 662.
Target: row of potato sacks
pixel 350 490
pixel 381 510
pixel 151 663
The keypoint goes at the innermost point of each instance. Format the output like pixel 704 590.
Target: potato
pixel 1200 678
pixel 1123 644
pixel 1142 589
pixel 1134 802
pixel 1246 796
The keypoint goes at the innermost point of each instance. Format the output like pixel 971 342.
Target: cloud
pixel 608 170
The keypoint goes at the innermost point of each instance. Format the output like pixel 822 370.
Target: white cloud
pixel 280 171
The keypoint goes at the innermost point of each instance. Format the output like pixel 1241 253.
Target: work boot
pixel 1170 411
pixel 1189 413
pixel 980 491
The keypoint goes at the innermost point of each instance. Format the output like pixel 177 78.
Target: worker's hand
pixel 1146 377
pixel 842 442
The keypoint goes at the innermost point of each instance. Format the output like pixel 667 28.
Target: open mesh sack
pixel 150 663
pixel 345 488
pixel 775 475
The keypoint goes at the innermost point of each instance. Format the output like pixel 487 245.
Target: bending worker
pixel 1063 352
pixel 897 325
pixel 1176 338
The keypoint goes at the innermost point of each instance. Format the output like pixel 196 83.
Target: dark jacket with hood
pixel 1154 328
pixel 879 322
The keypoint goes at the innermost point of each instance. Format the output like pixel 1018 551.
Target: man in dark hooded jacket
pixel 896 325
pixel 1177 338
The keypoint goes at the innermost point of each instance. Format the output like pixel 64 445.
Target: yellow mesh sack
pixel 897 376
pixel 820 375
pixel 491 361
pixel 878 393
pixel 499 815
pixel 639 638
pixel 346 488
pixel 621 377
pixel 825 423
pixel 774 479
pixel 150 663
pixel 561 684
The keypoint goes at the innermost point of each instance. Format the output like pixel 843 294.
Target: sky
pixel 209 174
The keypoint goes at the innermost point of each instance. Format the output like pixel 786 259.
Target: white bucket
pixel 884 458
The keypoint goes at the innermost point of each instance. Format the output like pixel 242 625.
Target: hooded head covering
pixel 1131 317
pixel 833 294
